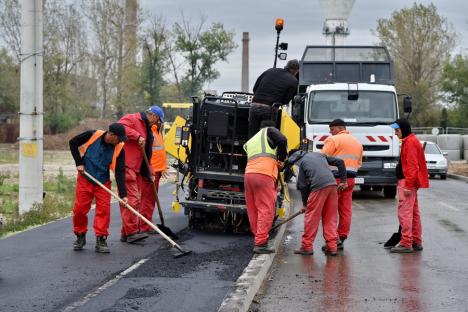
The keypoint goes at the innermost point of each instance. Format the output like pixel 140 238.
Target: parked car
pixel 435 160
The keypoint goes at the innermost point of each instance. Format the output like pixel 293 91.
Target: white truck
pixel 356 84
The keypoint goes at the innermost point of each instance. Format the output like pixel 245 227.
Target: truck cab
pixel 356 84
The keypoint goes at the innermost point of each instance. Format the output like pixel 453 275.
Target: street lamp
pixel 279 24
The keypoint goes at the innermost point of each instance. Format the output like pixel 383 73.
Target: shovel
pixel 161 226
pixel 287 220
pixel 173 244
pixel 394 239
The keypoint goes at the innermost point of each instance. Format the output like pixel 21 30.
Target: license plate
pixel 358 180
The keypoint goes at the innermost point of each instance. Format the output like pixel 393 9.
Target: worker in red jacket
pixel 412 175
pixel 159 164
pixel 138 129
pixel 97 151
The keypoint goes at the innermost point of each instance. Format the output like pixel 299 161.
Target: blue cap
pixel 395 126
pixel 158 111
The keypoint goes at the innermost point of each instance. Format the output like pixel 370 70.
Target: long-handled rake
pixel 173 244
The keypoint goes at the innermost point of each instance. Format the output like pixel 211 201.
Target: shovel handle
pixel 287 220
pixel 174 244
pixel 158 204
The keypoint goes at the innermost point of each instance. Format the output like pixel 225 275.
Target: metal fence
pixel 447 130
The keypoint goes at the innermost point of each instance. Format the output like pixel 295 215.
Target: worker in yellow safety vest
pixel 344 146
pixel 266 153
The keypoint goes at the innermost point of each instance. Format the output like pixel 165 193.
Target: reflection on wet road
pixel 365 276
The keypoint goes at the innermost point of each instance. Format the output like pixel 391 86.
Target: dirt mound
pixel 60 141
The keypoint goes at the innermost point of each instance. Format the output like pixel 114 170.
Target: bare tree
pixel 10 28
pixel 100 15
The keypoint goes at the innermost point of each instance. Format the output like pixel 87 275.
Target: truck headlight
pixel 389 165
pixel 443 162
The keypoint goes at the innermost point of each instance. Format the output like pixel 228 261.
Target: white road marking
pixel 449 206
pixel 358 205
pixel 102 288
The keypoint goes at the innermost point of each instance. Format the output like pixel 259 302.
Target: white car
pixel 435 160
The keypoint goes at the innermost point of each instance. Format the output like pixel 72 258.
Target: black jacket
pixel 275 85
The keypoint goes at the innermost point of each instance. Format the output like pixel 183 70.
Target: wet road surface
pixel 39 271
pixel 365 276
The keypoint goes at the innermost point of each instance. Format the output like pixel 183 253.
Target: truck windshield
pixel 371 107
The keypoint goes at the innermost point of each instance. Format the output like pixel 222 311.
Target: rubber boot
pixel 101 245
pixel 80 241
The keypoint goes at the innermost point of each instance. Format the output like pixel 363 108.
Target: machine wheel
pixel 390 191
pixel 443 176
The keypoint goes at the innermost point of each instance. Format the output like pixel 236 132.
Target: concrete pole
pixel 31 109
pixel 245 62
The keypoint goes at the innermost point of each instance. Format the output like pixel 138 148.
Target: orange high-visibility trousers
pixel 84 195
pixel 148 201
pixel 260 197
pixel 321 205
pixel 345 209
pixel 409 216
pixel 129 219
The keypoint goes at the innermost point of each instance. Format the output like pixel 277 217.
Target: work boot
pixel 80 241
pixel 133 238
pixel 303 252
pixel 263 249
pixel 401 249
pixel 340 243
pixel 417 247
pixel 101 244
pixel 329 252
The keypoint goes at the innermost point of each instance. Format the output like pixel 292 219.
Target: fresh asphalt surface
pixel 365 276
pixel 39 271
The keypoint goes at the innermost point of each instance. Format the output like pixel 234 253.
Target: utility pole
pixel 245 62
pixel 31 108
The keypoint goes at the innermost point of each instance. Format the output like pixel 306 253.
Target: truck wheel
pixel 390 191
pixel 443 176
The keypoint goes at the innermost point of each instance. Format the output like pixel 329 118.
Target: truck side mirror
pixel 282 56
pixel 407 104
pixel 298 109
pixel 298 99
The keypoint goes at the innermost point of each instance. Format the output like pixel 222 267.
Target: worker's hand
pixel 342 186
pixel 280 164
pixel 407 192
pixel 125 200
pixel 164 175
pixel 141 141
pixel 303 209
pixel 80 168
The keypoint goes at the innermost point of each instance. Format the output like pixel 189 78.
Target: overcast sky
pixel 303 25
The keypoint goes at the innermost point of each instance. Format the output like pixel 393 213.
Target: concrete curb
pixel 248 284
pixel 457 177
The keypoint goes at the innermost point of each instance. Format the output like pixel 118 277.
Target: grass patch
pixel 58 203
pixel 8 156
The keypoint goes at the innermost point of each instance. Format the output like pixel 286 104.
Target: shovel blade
pixel 167 231
pixel 183 253
pixel 393 240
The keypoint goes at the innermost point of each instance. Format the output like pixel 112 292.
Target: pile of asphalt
pixel 228 261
